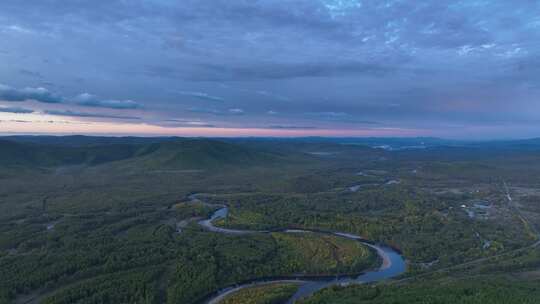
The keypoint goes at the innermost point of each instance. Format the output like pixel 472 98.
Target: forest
pixel 472 291
pixel 113 222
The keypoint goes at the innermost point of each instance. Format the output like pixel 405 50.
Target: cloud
pixel 16 110
pixel 339 61
pixel 277 71
pixel 290 127
pixel 338 117
pixel 339 8
pixel 329 115
pixel 31 74
pixel 204 110
pixel 17 120
pixel 89 100
pixel 234 111
pixel 43 95
pixel 8 93
pixel 189 123
pixel 63 122
pixel 200 95
pixel 273 95
pixel 273 70
pixel 90 115
pixel 18 29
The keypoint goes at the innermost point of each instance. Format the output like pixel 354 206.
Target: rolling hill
pixel 169 154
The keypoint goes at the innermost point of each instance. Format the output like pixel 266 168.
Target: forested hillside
pixel 117 221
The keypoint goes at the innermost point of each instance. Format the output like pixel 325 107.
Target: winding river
pixel 393 264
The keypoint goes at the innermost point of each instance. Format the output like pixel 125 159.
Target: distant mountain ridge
pixel 82 140
pixel 166 153
pixel 172 153
pixel 199 154
pixel 30 154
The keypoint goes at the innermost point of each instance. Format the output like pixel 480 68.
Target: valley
pixel 126 221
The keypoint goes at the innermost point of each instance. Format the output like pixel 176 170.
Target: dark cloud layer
pixel 88 115
pixel 8 93
pixel 291 127
pixel 89 100
pixel 16 110
pixel 200 95
pixel 43 95
pixel 273 71
pixel 343 64
pixel 212 111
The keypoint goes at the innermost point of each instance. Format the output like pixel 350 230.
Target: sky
pixel 454 69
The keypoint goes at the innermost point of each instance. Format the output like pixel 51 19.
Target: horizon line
pixel 127 135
